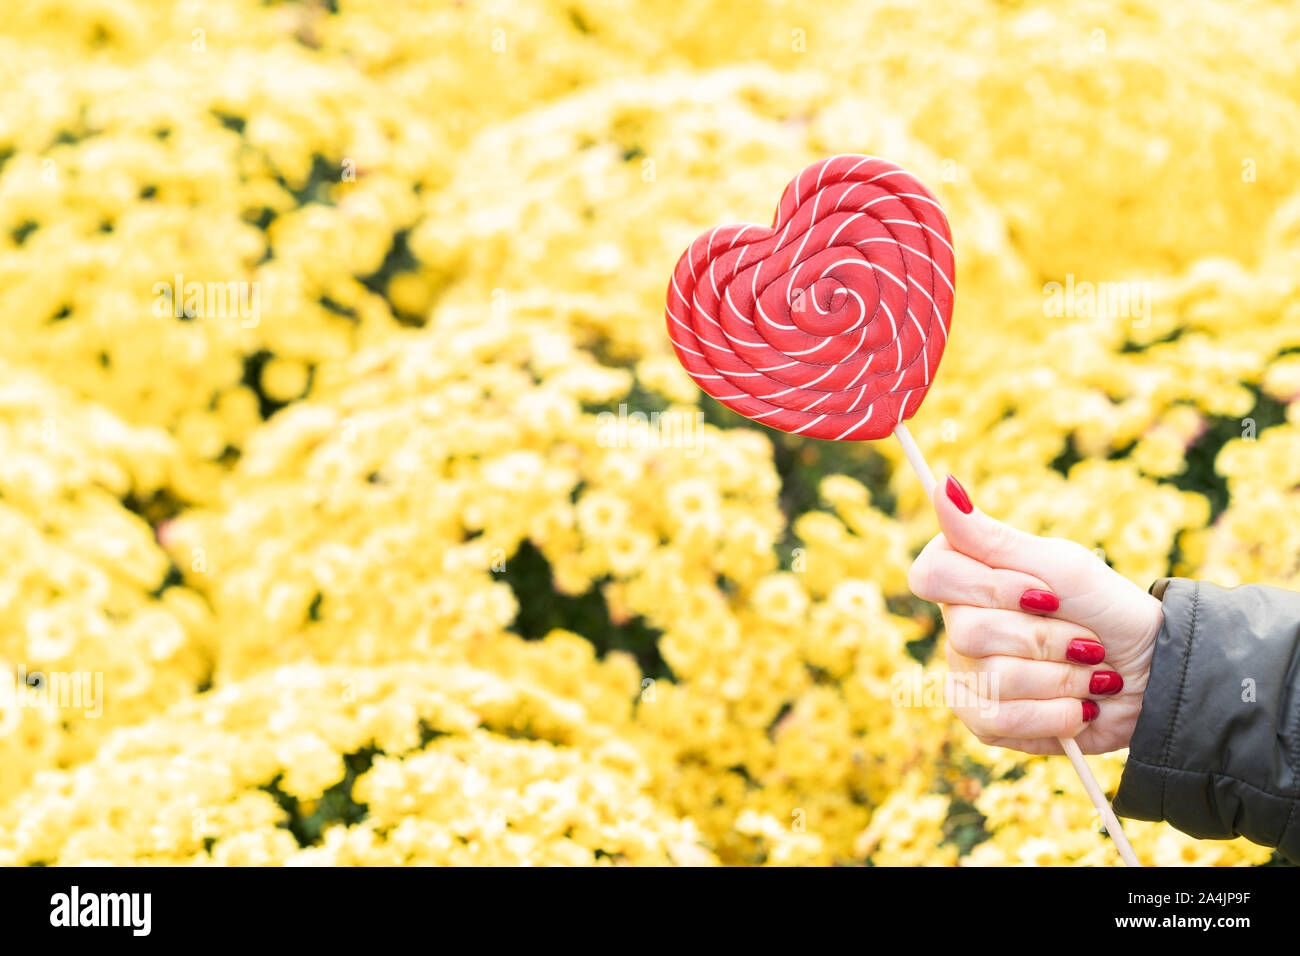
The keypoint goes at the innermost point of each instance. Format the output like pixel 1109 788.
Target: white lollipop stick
pixel 918 463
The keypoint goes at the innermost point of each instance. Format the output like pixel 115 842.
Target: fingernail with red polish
pixel 957 495
pixel 1090 711
pixel 1038 600
pixel 1082 651
pixel 1105 682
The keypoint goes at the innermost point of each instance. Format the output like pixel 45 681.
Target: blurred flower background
pixel 309 313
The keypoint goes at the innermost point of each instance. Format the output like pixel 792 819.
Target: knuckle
pixel 985 594
pixel 1010 719
pixel 1040 639
pixel 960 640
pixel 951 653
pixel 974 635
pixel 1074 552
pixel 996 670
pixel 919 577
pixel 1001 537
pixel 1066 721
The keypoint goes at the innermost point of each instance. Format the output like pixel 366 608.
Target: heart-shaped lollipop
pixel 831 323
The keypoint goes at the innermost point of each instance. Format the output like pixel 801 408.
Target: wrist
pixel 1152 618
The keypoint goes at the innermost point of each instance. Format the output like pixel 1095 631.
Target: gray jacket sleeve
pixel 1216 750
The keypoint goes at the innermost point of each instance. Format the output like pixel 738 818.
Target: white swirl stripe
pixel 790 329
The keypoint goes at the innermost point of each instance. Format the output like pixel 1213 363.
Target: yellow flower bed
pixel 341 441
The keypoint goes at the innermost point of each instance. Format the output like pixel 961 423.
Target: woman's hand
pixel 1045 639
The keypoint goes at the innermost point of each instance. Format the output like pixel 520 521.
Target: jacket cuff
pixel 1216 748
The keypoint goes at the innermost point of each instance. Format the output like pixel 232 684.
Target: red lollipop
pixel 831 323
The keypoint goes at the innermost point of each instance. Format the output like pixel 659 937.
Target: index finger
pixel 946 576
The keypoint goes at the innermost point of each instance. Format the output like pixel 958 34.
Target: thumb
pixel 980 536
